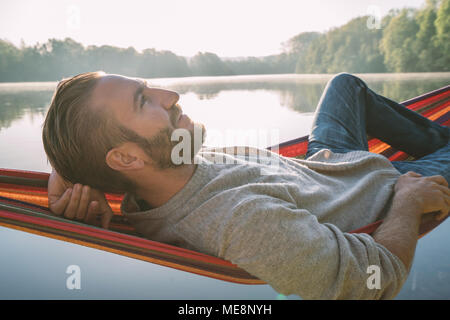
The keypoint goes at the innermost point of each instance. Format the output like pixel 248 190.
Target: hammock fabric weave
pixel 24 207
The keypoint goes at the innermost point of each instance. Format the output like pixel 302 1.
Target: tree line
pixel 407 40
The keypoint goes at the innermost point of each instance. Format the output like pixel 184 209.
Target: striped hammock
pixel 24 207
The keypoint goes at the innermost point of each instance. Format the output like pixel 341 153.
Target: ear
pixel 124 158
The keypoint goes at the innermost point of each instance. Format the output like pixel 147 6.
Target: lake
pixel 236 110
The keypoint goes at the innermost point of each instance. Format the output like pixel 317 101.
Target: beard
pixel 159 148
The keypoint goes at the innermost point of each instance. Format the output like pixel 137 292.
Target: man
pixel 289 226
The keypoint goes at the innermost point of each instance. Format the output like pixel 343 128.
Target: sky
pixel 231 28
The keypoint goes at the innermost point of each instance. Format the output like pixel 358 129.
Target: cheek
pixel 150 122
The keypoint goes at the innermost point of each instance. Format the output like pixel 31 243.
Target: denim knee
pixel 344 79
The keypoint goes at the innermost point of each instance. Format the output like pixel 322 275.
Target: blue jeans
pixel 348 110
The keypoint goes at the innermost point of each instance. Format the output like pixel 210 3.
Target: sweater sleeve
pixel 289 249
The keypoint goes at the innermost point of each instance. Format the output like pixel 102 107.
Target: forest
pixel 404 40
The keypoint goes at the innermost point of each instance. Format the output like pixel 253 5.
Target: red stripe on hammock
pixel 419 104
pixel 25 173
pixel 430 112
pixel 116 237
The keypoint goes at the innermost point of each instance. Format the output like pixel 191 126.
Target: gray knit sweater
pixel 284 220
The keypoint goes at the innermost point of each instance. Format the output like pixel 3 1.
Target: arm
pixel 296 254
pixel 400 230
pixel 288 248
pixel 414 196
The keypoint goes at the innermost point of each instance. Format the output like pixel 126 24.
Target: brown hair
pixel 77 137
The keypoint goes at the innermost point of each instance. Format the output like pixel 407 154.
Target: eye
pixel 143 100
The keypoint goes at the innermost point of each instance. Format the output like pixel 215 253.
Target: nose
pixel 166 98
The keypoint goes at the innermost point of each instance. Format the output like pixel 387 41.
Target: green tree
pixel 10 57
pixel 442 38
pixel 352 48
pixel 398 41
pixel 410 40
pixel 296 49
pixel 425 49
pixel 208 64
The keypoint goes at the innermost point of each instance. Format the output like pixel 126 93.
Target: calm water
pixel 233 109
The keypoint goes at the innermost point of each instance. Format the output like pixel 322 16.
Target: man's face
pixel 151 113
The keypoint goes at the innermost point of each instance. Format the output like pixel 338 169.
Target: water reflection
pixel 406 89
pixel 297 94
pixel 304 96
pixel 14 105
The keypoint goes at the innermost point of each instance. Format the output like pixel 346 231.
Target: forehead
pixel 114 93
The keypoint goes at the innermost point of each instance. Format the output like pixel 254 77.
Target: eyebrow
pixel 138 92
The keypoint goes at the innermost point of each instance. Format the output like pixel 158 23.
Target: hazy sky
pixel 228 28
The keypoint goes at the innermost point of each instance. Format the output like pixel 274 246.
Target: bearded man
pixel 287 225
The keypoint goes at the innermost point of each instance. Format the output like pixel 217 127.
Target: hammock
pixel 24 207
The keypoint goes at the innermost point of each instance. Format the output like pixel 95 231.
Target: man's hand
pixel 77 201
pixel 428 193
pixel 414 196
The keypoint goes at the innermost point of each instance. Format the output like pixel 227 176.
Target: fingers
pixel 106 218
pixel 107 213
pixel 83 204
pixel 72 207
pixel 95 209
pixel 91 215
pixel 413 174
pixel 57 206
pixel 445 211
pixel 439 179
pixel 75 203
pixel 442 215
pixel 445 190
